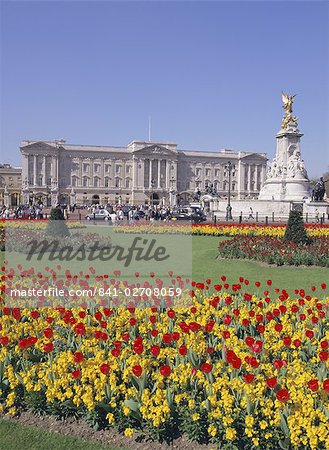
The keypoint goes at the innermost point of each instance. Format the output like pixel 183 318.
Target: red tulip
pixel 155 350
pixel 48 332
pixel 48 348
pixel 137 370
pixel 271 382
pixel 76 374
pixel 313 385
pixel 182 350
pixel 283 395
pixel 323 355
pixel 206 368
pixel 4 340
pixel 167 338
pixel 249 377
pixel 165 371
pixel 78 357
pixel 325 385
pixel 104 368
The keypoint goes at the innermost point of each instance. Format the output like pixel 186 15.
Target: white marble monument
pixel 286 183
pixel 286 176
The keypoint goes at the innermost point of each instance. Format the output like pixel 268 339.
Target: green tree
pixel 295 229
pixel 56 226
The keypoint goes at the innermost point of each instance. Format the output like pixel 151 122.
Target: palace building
pixel 10 185
pixel 142 173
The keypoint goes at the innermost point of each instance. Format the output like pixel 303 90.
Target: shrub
pixel 56 224
pixel 295 230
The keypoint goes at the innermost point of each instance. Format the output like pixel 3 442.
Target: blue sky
pixel 209 74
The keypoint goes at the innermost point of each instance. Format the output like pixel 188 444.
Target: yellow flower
pixel 128 432
pixel 230 434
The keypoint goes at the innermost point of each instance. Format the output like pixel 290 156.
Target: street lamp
pixel 152 188
pixel 229 167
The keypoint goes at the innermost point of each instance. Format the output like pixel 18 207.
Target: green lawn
pixel 14 436
pixel 205 265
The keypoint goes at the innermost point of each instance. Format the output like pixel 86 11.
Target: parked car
pixel 99 214
pixel 189 213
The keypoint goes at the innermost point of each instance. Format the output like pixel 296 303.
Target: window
pixel 74 181
pixel 107 182
pixel 127 169
pixel 127 183
pixel 207 172
pixel 217 173
pixel 117 169
pixel 86 167
pixel 107 168
pixel 85 182
pixel 97 168
pixel 96 182
pixel 198 172
pixel 117 182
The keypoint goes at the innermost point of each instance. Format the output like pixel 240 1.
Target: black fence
pixel 263 218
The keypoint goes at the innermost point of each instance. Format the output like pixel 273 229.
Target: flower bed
pixel 35 224
pixel 236 369
pixel 219 230
pixel 277 251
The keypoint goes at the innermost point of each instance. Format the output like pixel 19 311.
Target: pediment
pixel 38 146
pixel 155 150
pixel 254 158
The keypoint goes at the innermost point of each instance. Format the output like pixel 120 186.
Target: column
pixel 241 179
pixel 150 173
pixel 145 172
pixel 167 174
pixel 203 171
pixel 34 170
pixel 159 173
pixel 134 179
pixel 256 177
pixel 91 171
pixel 249 178
pixel 141 173
pixel 112 172
pixel 80 172
pixel 102 173
pixel 44 174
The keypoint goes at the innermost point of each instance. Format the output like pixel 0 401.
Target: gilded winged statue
pixel 288 101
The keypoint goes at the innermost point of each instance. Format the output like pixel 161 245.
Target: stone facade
pixel 143 172
pixel 10 185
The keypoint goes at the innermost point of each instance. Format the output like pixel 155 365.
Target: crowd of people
pixel 117 212
pixel 134 212
pixel 22 212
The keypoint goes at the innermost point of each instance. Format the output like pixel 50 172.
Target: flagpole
pixel 149 128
